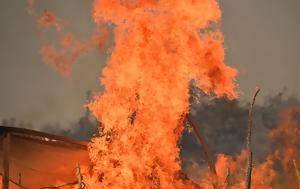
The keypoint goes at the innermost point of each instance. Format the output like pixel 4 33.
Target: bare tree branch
pixel 249 142
pixel 207 153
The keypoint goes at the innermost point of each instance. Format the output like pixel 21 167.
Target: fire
pixel 47 20
pixel 70 48
pixel 277 170
pixel 157 52
pixel 67 48
pixel 160 46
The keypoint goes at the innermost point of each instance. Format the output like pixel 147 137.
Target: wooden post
pixel 5 165
pixel 79 177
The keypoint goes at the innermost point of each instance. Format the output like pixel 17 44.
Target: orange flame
pixel 277 170
pixel 48 19
pixel 63 56
pixel 160 46
pixel 30 5
pixel 66 51
pixel 158 51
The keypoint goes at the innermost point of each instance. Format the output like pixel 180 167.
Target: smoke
pixel 84 128
pixel 224 124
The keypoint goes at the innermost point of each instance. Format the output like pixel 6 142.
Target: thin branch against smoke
pixel 249 145
pixel 207 152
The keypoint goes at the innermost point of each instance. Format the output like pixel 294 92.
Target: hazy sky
pixel 261 40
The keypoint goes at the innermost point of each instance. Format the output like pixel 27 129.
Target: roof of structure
pixel 42 159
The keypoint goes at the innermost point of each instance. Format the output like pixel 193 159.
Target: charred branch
pixel 207 152
pixel 249 142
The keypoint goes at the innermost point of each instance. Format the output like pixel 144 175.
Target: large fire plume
pixel 158 51
pixel 159 47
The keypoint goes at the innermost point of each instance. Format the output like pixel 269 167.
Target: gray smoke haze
pixel 83 128
pixel 224 124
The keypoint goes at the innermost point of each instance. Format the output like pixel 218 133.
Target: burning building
pixel 35 160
